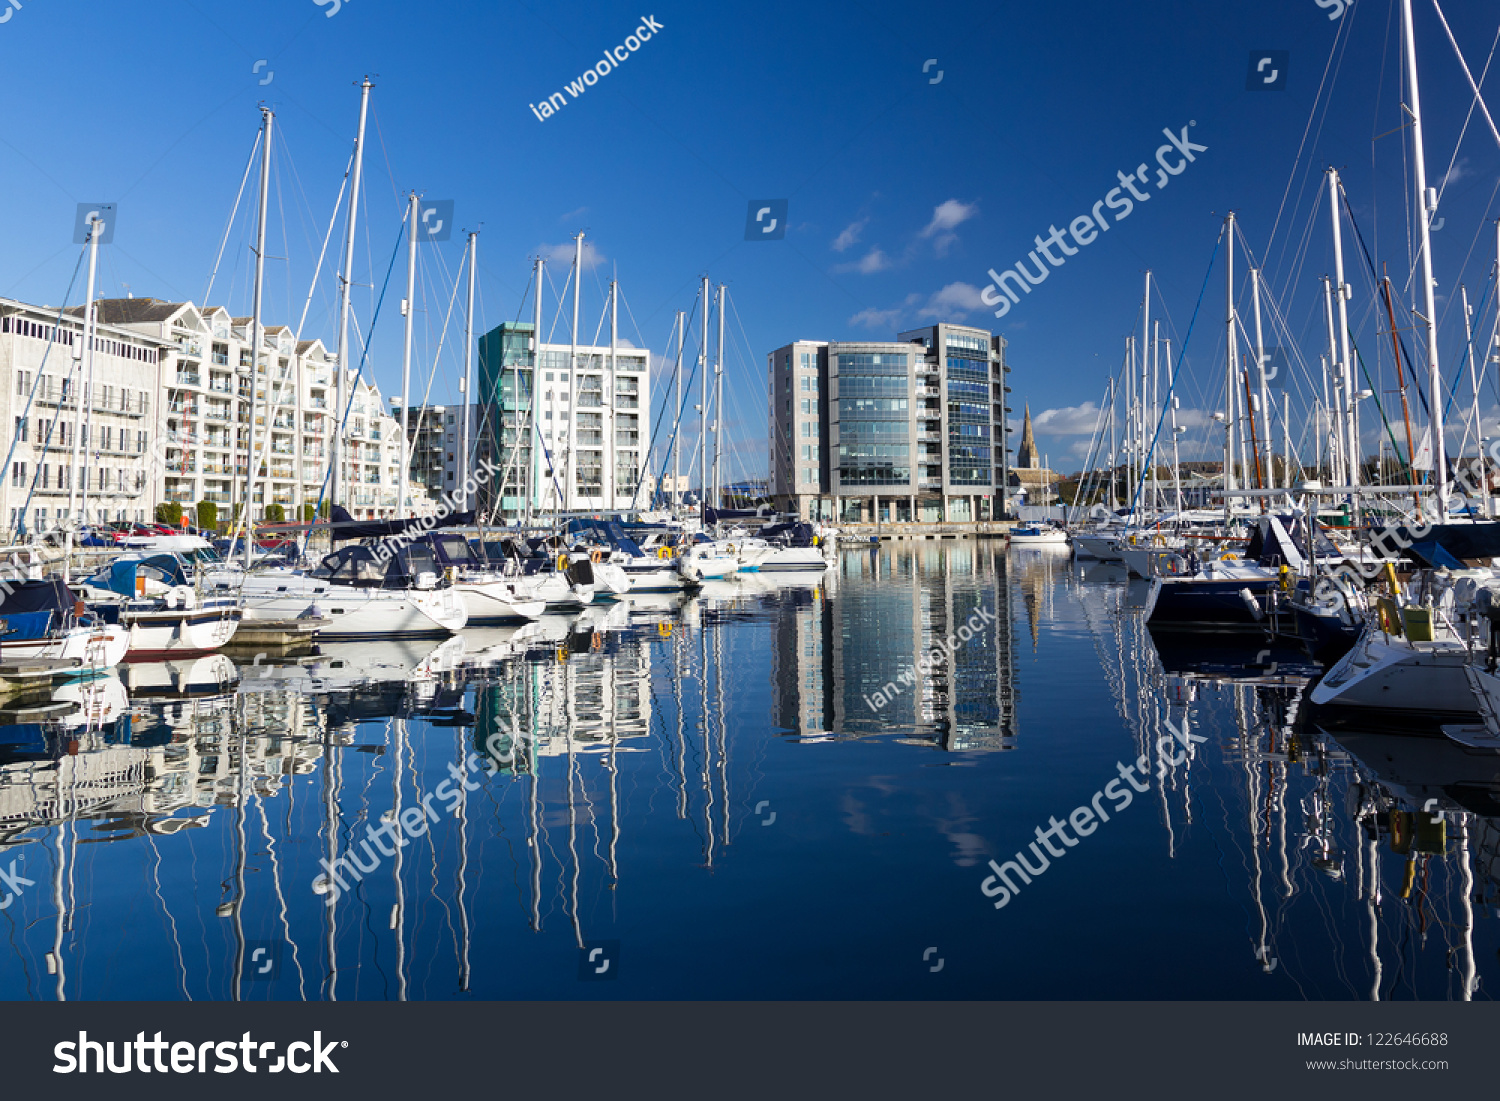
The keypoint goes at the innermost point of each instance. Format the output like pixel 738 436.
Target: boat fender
pixel 188 597
pixel 1256 611
pixel 1284 577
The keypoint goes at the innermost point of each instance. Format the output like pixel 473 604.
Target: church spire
pixel 1026 457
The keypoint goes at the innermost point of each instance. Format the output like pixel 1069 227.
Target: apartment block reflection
pixel 878 660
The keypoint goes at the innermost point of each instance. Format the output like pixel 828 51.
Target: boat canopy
pixel 608 532
pixel 1282 540
pixel 165 568
pixel 795 534
pixel 1451 544
pixel 34 609
pixel 361 566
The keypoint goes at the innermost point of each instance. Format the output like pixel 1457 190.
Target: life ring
pixel 664 630
pixel 1390 620
pixel 596 557
pixel 731 548
pixel 664 552
pixel 562 563
pixel 1227 556
pixel 1285 579
pixel 597 641
pixel 562 655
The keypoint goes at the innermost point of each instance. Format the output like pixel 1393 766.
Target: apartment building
pixel 169 417
pixel 897 431
pixel 436 435
pixel 41 371
pixel 205 415
pixel 584 448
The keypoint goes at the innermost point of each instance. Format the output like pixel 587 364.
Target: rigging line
pixel 1370 263
pixel 1181 355
pixel 249 164
pixel 1334 50
pixel 37 382
pixel 318 270
pixel 437 355
pixel 1464 65
pixel 353 390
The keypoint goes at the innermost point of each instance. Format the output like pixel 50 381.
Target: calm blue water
pixel 741 797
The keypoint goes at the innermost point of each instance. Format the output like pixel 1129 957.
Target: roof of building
pixel 131 311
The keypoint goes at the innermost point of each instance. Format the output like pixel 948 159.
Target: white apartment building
pixel 41 368
pixel 596 424
pixel 171 412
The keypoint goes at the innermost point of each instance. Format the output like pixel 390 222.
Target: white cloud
pixel 563 254
pixel 1459 170
pixel 570 215
pixel 872 318
pixel 1070 420
pixel 949 215
pixel 850 236
pixel 954 300
pixel 868 264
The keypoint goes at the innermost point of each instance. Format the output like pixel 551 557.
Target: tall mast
pixel 346 284
pixel 607 475
pixel 81 394
pixel 257 328
pixel 466 387
pixel 1335 462
pixel 1426 205
pixel 1130 433
pixel 536 374
pixel 719 407
pixel 1145 389
pixel 572 410
pixel 703 441
pixel 675 498
pixel 1262 391
pixel 1230 349
pixel 1343 378
pixel 1463 291
pixel 408 311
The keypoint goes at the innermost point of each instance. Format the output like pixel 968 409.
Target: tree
pixel 275 514
pixel 169 513
pixel 208 516
pixel 308 512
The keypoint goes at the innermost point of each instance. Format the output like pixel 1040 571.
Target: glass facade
pixel 874 440
pixel 969 450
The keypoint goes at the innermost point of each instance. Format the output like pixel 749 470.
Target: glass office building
pixel 911 430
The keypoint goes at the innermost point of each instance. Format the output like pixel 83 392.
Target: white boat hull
pixel 495 603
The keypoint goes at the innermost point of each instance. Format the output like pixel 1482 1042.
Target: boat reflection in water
pixel 672 773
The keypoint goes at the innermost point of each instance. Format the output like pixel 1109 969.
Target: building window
pixel 809 429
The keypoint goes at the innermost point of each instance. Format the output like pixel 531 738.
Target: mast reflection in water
pixel 705 784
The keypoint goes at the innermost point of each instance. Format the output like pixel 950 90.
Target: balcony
pixel 189 378
pixel 625 401
pixel 217 497
pixel 318 403
pixel 216 468
pixel 217 413
pixel 191 349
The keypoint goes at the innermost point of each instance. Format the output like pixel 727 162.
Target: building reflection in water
pixel 868 653
pixel 177 820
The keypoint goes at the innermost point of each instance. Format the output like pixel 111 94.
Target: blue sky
pixel 902 193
